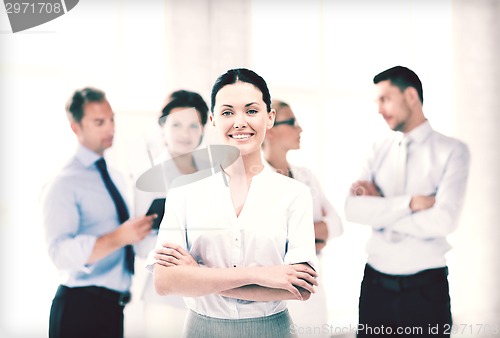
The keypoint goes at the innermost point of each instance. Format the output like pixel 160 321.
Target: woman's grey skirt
pixel 274 326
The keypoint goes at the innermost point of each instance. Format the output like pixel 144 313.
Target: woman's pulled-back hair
pixel 241 75
pixel 187 99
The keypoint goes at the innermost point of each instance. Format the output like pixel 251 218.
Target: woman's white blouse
pixel 274 227
pixel 323 210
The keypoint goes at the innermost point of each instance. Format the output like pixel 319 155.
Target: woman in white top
pixel 182 120
pixel 284 136
pixel 239 243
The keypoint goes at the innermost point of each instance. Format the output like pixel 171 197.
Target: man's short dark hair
pixel 74 107
pixel 402 78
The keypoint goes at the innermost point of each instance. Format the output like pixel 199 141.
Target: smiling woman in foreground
pixel 239 243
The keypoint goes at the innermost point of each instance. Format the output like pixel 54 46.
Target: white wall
pixel 117 46
pixel 476 86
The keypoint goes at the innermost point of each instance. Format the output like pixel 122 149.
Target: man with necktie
pixel 410 192
pixel 88 229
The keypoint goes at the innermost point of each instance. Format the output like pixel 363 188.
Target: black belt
pixel 120 298
pixel 403 282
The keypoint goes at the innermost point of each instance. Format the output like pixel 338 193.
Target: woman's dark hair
pixel 241 75
pixel 402 78
pixel 74 106
pixel 185 99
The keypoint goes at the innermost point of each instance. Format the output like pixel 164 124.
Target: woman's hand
pixel 289 277
pixel 321 235
pixel 174 255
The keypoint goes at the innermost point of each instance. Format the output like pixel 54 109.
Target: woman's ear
pixel 211 117
pixel 271 116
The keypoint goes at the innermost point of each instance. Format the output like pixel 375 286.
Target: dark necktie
pixel 121 208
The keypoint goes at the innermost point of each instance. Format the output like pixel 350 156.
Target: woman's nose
pixel 239 121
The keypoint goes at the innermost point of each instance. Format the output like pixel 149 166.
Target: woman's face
pixel 286 131
pixel 241 117
pixel 182 130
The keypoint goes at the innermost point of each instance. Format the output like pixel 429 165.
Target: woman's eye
pixel 194 126
pixel 252 111
pixel 226 113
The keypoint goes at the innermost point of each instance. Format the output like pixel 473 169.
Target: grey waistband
pixel 274 326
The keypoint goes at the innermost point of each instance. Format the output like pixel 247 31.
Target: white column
pixel 475 272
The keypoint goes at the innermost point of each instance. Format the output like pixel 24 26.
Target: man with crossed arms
pixel 405 279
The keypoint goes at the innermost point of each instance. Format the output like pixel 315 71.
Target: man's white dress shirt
pixel 402 241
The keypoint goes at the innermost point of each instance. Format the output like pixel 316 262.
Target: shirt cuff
pixel 301 256
pixel 335 228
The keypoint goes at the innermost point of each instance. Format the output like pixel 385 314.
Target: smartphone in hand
pixel 157 207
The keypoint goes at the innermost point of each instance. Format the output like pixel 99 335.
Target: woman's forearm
pixel 193 281
pixel 263 294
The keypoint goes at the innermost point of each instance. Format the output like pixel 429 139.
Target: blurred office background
pixel 318 55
